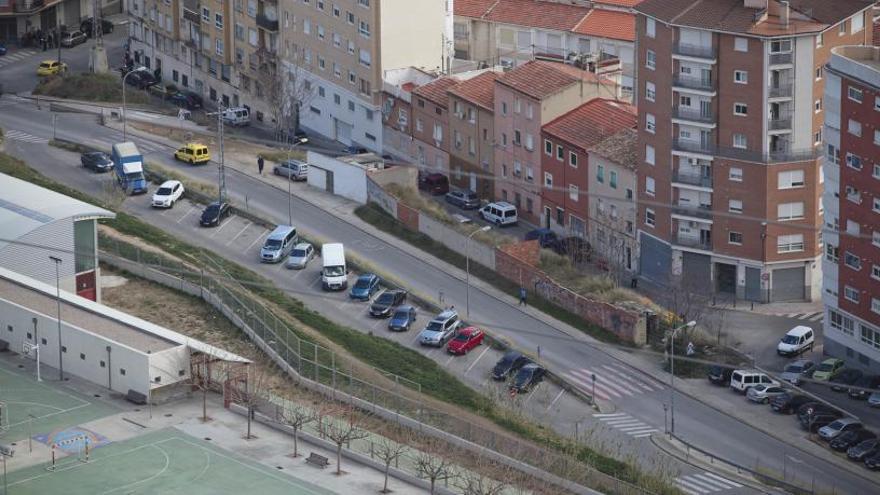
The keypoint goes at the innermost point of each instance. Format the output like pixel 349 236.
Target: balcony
pixel 701 211
pixel 549 52
pixel 690 82
pixel 264 22
pixel 696 51
pixel 781 90
pixel 27 6
pixel 779 123
pixel 693 114
pixel 776 155
pixel 704 147
pixel 780 58
pixel 694 242
pixel 692 178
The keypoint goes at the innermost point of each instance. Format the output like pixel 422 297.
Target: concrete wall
pixel 412 33
pixel 440 232
pixel 406 176
pixel 349 181
pixel 377 195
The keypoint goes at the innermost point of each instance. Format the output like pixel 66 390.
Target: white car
pixel 167 194
pixel 300 256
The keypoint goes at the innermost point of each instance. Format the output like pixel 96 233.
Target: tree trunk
pixel 338 458
pixel 250 413
pixel 295 446
pixel 433 480
pixel 204 404
pixel 385 486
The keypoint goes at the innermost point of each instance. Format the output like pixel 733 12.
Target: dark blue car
pixel 366 285
pixel 2 49
pixel 403 317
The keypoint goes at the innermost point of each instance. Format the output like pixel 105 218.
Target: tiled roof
pixel 592 122
pixel 479 90
pixel 472 8
pixel 621 148
pixel 537 14
pixel 539 79
pixel 613 24
pixel 734 16
pixel 619 3
pixel 435 91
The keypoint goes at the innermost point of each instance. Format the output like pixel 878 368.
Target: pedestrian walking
pixel 43 42
pixel 260 164
pixel 522 296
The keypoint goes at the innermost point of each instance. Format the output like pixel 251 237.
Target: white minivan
pixel 237 116
pixel 796 341
pixel 743 380
pixel 500 213
pixel 334 274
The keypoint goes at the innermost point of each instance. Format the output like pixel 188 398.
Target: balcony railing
pixel 701 211
pixel 695 242
pixel 690 82
pixel 779 123
pixel 780 58
pixel 693 114
pixel 698 51
pixel 554 52
pixel 774 156
pixel 266 23
pixel 25 6
pixel 780 90
pixel 692 178
pixel 693 146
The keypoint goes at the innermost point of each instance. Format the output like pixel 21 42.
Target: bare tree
pixel 297 416
pixel 287 91
pixel 343 431
pixel 249 393
pixel 486 477
pixel 388 451
pixel 433 463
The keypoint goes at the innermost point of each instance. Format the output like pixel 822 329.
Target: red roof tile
pixel 539 79
pixel 472 8
pixel 537 14
pixel 619 3
pixel 435 91
pixel 611 24
pixel 479 90
pixel 592 122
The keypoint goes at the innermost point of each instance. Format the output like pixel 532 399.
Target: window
pixel 851 294
pixel 854 94
pixel 560 152
pixel 349 17
pixel 877 103
pixel 572 159
pixel 650 27
pixel 122 371
pixel 650 185
pixel 832 253
pixel 741 44
pixel 364 28
pixel 740 141
pixel 218 46
pixel 740 109
pixel 856 23
pixel 650 91
pixel 820 71
pixel 790 243
pixel 548 179
pixel 321 91
pixel 735 206
pixel 853 228
pixel 548 147
pixel 735 238
pixel 819 40
pixel 573 192
pixel 218 20
pixel 780 46
pixel 365 57
pixel 82 356
pixel 206 14
pixel 854 128
pixel 650 59
pixel 307 26
pixel 875 272
pixel 650 123
pixel 852 261
pixel 877 137
pixel 320 31
pixel 791 179
pixel 650 217
pixel 401 118
pixel 876 206
pixel 817 106
pixel 735 174
pixel 740 77
pixel 600 173
pixel 875 305
pixel 876 173
pixel 875 238
pixel 612 179
pixel 649 154
pixel 336 11
pixel 853 161
pixel 790 211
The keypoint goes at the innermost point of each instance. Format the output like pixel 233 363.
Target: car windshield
pixel 794 368
pixel 45 65
pixel 385 298
pixel 826 367
pixel 434 326
pixel 212 209
pixel 299 253
pixel 760 388
pixel 362 283
pixel 401 315
pixel 334 271
pixel 789 339
pixel 163 191
pixel 273 243
pixel 462 337
pixel 523 376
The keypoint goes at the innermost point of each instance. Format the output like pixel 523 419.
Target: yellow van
pixel 193 153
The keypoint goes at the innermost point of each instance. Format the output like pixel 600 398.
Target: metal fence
pixel 337 375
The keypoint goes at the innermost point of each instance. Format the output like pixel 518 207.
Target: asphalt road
pixel 704 426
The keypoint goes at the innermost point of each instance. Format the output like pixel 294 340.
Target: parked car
pixel 441 329
pixel 546 238
pixel 186 99
pixel 764 393
pixel 864 387
pixel 365 286
pixel 292 169
pixel 214 214
pixel 874 399
pixel 463 198
pixel 719 375
pixel 51 68
pixel 356 150
pixel 795 371
pixel 845 379
pixel 141 79
pixel 817 420
pixel 300 256
pixel 97 161
pixel 435 183
pixel 466 340
pixel 799 339
pixel 529 376
pixel 402 319
pixel 72 38
pixel 839 426
pixel 789 402
pixel 2 49
pixel 872 461
pixel 742 380
pixel 828 369
pixel 167 194
pixel 849 438
pixel 383 306
pixel 863 449
pixel 508 364
pixel 809 408
pixel 87 24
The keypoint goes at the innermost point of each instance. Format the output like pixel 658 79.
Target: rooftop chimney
pixel 755 4
pixel 784 12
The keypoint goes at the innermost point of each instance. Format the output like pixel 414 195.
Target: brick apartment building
pixel 851 266
pixel 730 101
pixel 430 113
pixel 472 127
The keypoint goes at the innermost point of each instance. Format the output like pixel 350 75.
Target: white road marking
pixel 610 415
pixel 193 207
pixel 693 487
pixel 220 227
pixel 475 361
pixel 15 135
pixel 686 489
pixel 259 237
pixel 729 482
pixel 628 378
pixel 451 357
pixel 558 396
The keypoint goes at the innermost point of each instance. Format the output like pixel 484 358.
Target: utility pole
pixel 58 301
pixel 37 344
pixel 690 324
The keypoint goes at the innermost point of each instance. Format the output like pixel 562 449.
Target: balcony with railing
pixel 701 115
pixel 191 11
pixel 26 6
pixel 690 82
pixel 782 90
pixel 779 123
pixel 694 242
pixel 776 154
pixel 692 178
pixel 699 211
pixel 696 51
pixel 780 58
pixel 550 52
pixel 264 22
pixel 694 146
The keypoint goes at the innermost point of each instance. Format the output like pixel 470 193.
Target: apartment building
pixel 730 130
pixel 472 128
pixel 509 32
pixel 397 117
pixel 430 112
pixel 527 98
pixel 851 266
pixel 18 17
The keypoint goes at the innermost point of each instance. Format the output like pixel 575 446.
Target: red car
pixel 466 340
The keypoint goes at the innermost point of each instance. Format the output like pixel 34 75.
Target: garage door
pixel 343 132
pixel 788 284
pixel 655 260
pixel 753 284
pixel 71 15
pixel 317 177
pixel 696 272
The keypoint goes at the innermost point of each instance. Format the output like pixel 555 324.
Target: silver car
pixel 874 399
pixel 762 393
pixel 839 426
pixel 795 371
pixel 300 256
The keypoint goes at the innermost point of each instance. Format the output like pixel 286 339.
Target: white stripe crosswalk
pixel 14 135
pixel 612 381
pixel 627 424
pixel 16 56
pixel 819 316
pixel 703 483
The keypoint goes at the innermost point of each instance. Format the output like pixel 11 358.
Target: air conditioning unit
pixel 506 64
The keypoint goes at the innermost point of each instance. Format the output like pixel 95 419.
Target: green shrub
pixel 89 87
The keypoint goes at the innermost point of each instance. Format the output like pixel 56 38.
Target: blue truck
pixel 129 165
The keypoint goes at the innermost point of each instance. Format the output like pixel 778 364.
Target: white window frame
pixel 650 91
pixel 650 218
pixel 741 44
pixel 735 206
pixel 741 77
pixel 855 94
pixel 741 109
pixel 854 127
pixel 790 211
pixel 791 179
pixel 851 294
pixel 650 155
pixel 735 174
pixel 650 27
pixel 650 59
pixel 650 186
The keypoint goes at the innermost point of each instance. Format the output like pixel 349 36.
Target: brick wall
pixel 409 216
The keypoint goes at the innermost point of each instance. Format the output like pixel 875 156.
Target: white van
pixel 796 341
pixel 743 380
pixel 501 213
pixel 334 275
pixel 237 116
pixel 278 244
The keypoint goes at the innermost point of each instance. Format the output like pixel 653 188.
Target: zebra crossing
pixel 16 56
pixel 612 381
pixel 627 424
pixel 703 483
pixel 819 316
pixel 14 135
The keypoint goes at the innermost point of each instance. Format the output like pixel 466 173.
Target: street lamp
pixel 467 264
pixel 688 325
pixel 58 301
pixel 289 179
pixel 6 451
pixel 123 101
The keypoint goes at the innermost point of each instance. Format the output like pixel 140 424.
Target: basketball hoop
pixel 27 348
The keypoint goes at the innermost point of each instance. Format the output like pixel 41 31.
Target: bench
pixel 136 397
pixel 318 460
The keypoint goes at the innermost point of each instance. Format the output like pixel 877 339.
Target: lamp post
pixel 37 345
pixel 690 324
pixel 123 102
pixel 6 451
pixel 467 264
pixel 290 179
pixel 58 302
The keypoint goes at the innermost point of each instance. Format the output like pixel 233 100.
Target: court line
pixel 205 469
pixel 150 478
pixel 47 387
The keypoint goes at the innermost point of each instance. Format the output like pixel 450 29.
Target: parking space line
pixel 558 396
pixel 475 361
pixel 249 223
pixel 193 207
pixel 261 236
pixel 219 228
pixel 531 394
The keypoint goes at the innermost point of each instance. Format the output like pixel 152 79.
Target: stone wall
pixel 456 241
pixel 409 216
